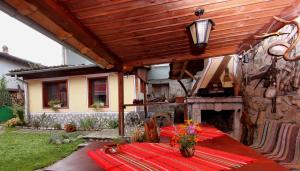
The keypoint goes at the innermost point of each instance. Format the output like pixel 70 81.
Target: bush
pixel 138 136
pixel 88 123
pixel 57 126
pixel 97 105
pixel 55 139
pixel 54 104
pixel 70 127
pixel 5 99
pixel 18 112
pixel 45 120
pixel 107 123
pixel 113 124
pixel 63 138
pixel 13 122
pixel 36 124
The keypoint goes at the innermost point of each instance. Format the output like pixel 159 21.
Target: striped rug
pixel 159 156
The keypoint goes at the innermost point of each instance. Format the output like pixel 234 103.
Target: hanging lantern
pixel 200 30
pixel 245 58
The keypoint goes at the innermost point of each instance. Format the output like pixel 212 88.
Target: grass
pixel 28 151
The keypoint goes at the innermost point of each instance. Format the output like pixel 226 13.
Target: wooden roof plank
pixel 288 13
pixel 141 28
pixel 61 17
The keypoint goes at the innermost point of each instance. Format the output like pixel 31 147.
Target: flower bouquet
pixel 187 137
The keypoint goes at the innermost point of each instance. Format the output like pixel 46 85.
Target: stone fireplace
pixel 217 111
pixel 223 120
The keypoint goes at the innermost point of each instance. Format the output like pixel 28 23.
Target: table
pixel 161 156
pixel 79 160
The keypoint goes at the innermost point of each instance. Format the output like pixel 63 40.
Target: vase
pixel 187 152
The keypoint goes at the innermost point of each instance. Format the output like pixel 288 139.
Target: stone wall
pixel 287 99
pixel 177 90
pixel 65 118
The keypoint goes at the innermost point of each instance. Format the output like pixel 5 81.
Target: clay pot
pixel 179 99
pixel 111 149
pixel 187 152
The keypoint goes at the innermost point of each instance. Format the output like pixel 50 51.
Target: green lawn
pixel 28 151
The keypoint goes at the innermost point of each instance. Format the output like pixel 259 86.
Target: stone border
pixel 65 118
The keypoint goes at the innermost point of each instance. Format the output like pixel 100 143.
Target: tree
pixel 5 99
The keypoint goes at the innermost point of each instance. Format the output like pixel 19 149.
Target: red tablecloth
pixel 207 132
pixel 158 156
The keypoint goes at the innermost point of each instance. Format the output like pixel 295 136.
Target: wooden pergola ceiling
pixel 141 32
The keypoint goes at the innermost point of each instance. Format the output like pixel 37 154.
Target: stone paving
pixel 103 134
pixel 109 133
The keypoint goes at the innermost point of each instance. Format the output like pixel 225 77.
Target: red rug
pixel 206 132
pixel 151 156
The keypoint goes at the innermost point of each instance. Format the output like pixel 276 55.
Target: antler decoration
pixel 295 21
pixel 266 35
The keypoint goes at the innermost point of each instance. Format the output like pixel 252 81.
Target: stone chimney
pixel 4 49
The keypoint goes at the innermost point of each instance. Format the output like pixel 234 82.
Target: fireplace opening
pixel 222 120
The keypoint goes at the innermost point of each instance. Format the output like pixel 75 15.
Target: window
pixel 98 92
pixel 55 90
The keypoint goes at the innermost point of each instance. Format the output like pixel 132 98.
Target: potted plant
pixel 98 105
pixel 54 104
pixel 172 99
pixel 187 137
pixel 70 127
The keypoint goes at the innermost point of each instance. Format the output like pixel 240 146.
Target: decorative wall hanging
pixel 277 48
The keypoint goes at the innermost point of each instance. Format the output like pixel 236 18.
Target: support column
pixel 144 91
pixel 121 102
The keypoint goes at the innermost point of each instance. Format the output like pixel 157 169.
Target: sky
pixel 27 43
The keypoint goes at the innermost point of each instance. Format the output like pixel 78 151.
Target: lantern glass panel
pixel 193 32
pixel 203 28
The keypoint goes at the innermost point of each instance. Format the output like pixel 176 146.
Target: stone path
pixel 103 134
pixel 107 134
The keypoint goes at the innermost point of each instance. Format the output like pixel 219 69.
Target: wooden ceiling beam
pixel 220 70
pixel 182 57
pixel 55 13
pixel 288 13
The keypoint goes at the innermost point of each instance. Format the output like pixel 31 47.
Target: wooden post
pixel 121 102
pixel 195 86
pixel 144 87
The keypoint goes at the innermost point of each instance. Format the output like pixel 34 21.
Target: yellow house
pixel 75 90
